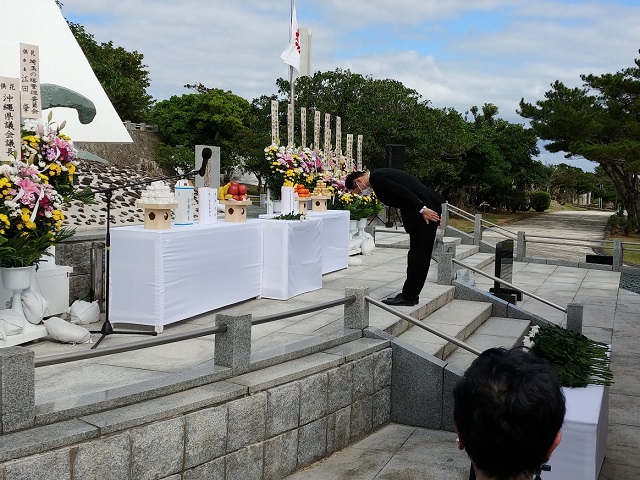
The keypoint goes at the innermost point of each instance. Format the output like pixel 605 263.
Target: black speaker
pixel 395 156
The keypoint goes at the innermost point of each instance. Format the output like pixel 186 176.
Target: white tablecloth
pixel 292 261
pixel 584 435
pixel 335 239
pixel 163 276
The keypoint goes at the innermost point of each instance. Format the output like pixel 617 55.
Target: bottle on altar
pixel 185 200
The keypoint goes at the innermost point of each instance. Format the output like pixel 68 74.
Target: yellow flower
pixel 71 169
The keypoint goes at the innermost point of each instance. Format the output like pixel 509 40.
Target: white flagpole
pixel 292 92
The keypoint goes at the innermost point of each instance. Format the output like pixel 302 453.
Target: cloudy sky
pixel 455 53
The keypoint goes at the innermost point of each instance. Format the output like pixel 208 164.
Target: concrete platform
pixel 611 315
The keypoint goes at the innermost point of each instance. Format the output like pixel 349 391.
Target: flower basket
pixel 52 152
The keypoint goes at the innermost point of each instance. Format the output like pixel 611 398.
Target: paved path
pixel 577 225
pixel 611 315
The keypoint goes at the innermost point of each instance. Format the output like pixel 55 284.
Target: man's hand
pixel 430 215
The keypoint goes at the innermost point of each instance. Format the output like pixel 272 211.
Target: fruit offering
pixel 233 191
pixel 321 190
pixel 302 190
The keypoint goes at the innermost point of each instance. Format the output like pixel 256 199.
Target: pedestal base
pixel 319 204
pixel 236 211
pixel 29 333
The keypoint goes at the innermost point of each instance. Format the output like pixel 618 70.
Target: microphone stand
pixel 107 327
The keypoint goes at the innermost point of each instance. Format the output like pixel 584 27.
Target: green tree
pixel 498 167
pixel 216 117
pixel 385 112
pixel 568 181
pixel 121 73
pixel 599 122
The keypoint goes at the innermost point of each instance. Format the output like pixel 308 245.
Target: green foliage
pixel 289 216
pixel 578 360
pixel 216 117
pixel 599 122
pixel 518 200
pixel 121 73
pixel 540 201
pixel 173 159
pixel 567 181
pixel 619 222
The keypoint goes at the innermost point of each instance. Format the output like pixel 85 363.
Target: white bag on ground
pixel 34 305
pixel 66 332
pixel 12 322
pixel 83 313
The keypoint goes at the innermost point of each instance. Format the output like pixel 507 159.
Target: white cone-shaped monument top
pixel 63 66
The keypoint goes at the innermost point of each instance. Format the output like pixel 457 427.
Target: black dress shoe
pixel 399 300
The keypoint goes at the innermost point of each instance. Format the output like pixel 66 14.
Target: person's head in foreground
pixel 508 411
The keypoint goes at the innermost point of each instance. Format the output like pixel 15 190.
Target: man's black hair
pixel 350 181
pixel 508 410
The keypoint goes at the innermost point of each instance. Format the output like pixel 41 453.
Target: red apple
pixel 242 189
pixel 233 189
pixel 237 197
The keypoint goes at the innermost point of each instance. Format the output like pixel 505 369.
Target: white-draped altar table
pixel 584 435
pixel 162 276
pixel 335 239
pixel 292 261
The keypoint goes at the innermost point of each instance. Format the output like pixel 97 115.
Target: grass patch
pixel 497 218
pixel 630 253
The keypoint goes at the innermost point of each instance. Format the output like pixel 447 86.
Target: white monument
pixel 62 63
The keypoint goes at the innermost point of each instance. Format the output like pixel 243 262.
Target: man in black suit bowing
pixel 420 208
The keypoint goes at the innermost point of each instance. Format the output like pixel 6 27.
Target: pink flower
pixel 28 186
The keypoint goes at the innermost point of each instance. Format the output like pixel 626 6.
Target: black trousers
pixel 421 240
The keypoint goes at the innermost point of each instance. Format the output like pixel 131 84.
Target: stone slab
pixel 164 407
pixel 47 437
pixel 287 372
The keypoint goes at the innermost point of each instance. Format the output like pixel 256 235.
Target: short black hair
pixel 508 409
pixel 350 181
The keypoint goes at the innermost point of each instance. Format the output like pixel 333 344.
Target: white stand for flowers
pixel 52 282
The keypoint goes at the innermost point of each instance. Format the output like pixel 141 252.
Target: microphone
pixel 206 155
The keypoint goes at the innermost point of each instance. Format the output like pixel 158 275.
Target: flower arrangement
pixel 30 215
pixel 53 153
pixel 359 206
pixel 291 165
pixel 578 360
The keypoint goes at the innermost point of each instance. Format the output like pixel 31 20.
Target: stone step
pixel 464 251
pixel 432 298
pixel 458 318
pixel 454 240
pixel 494 332
pixel 478 260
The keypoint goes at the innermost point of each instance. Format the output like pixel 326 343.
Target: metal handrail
pixel 151 342
pixel 178 337
pixel 467 216
pixel 303 310
pixel 429 329
pixel 576 243
pixel 510 285
pixel 493 225
pixel 568 238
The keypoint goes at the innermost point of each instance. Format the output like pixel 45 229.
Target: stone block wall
pixel 76 252
pixel 265 435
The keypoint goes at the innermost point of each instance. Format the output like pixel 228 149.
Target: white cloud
pixel 455 53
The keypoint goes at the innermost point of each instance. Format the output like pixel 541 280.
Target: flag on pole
pixel 291 56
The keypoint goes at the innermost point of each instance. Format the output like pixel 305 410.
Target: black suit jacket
pixel 397 188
